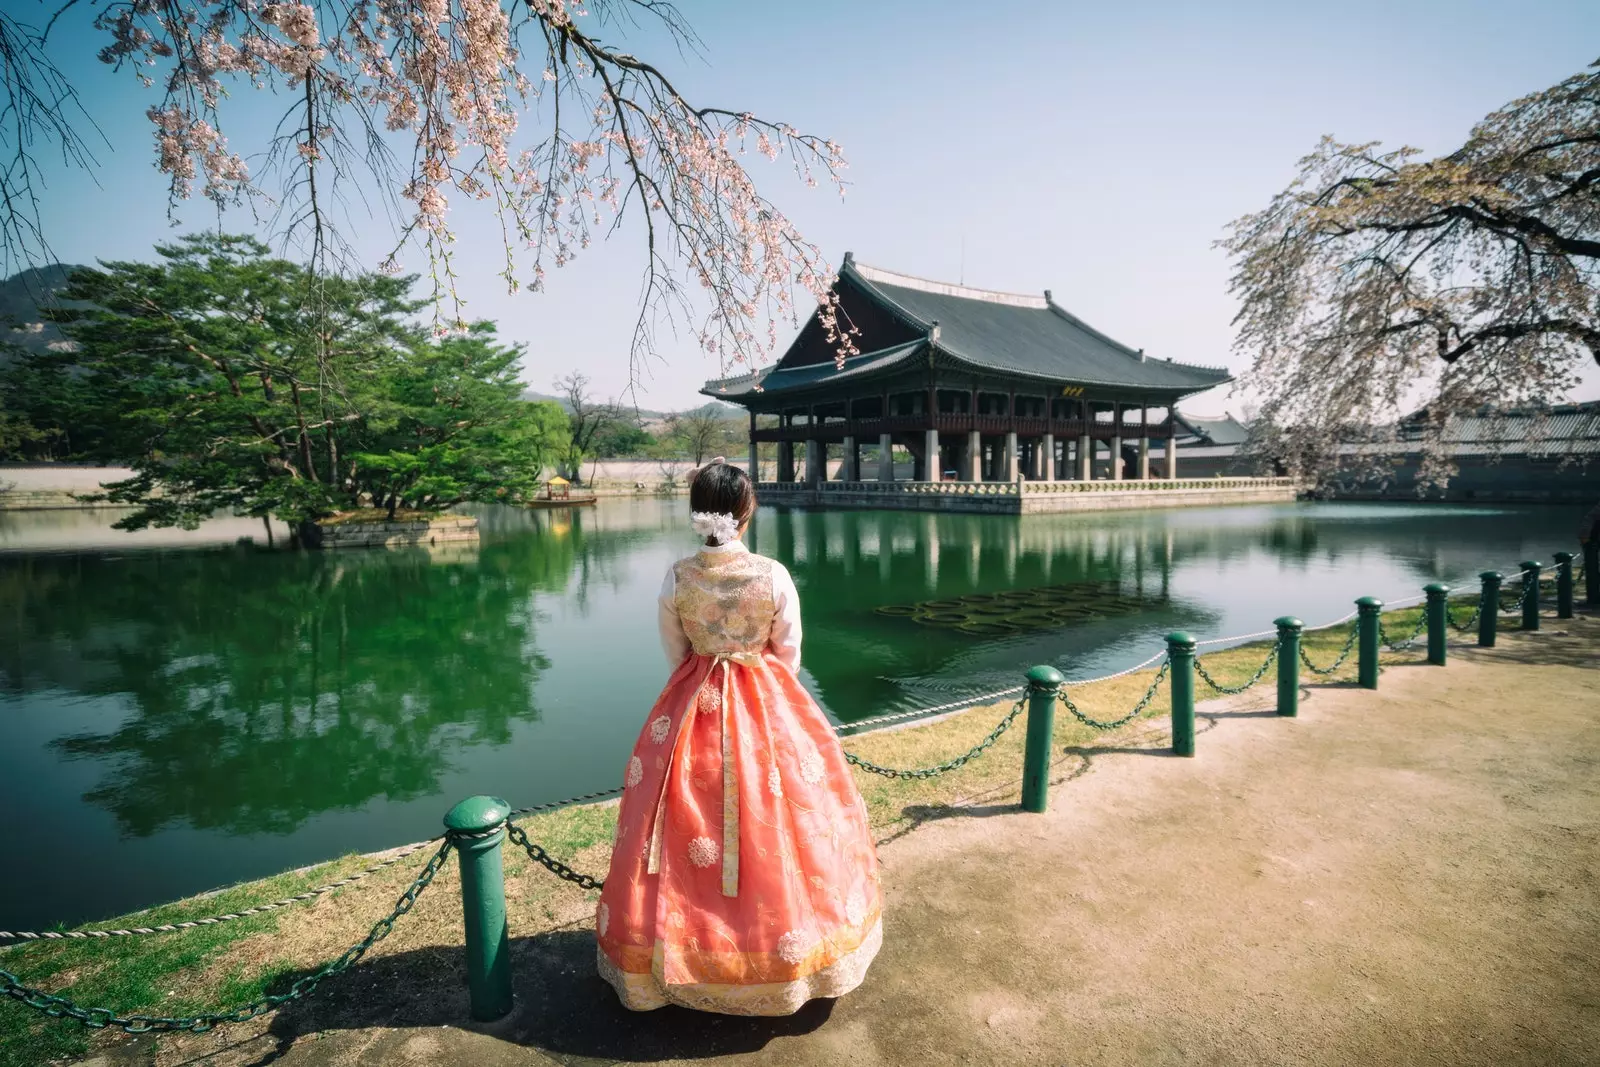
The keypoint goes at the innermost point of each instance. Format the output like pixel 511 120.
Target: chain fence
pixel 1149 695
pixel 1404 643
pixel 1472 620
pixel 950 765
pixel 1205 675
pixel 519 837
pixel 58 1007
pixel 1344 654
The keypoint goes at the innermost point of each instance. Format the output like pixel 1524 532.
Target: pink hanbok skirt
pixel 744 878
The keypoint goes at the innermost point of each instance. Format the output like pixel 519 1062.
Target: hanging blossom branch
pixel 1380 281
pixel 39 107
pixel 614 136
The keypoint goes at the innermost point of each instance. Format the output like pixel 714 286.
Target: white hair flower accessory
pixel 719 526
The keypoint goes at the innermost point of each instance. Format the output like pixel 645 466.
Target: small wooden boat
pixel 573 501
pixel 558 493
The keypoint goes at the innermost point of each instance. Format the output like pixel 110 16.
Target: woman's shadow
pixel 563 1008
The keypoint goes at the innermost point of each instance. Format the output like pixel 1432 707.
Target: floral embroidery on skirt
pixel 798 915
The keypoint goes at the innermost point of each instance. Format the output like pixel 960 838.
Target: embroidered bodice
pixel 725 601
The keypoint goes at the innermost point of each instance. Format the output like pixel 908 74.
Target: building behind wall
pixel 1213 447
pixel 1509 457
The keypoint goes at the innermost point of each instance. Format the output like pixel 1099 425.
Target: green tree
pixel 233 381
pixel 625 437
pixel 451 426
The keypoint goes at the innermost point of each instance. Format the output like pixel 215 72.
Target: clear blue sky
pixel 1094 150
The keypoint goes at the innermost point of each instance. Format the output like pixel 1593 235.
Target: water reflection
pixel 264 690
pixel 286 707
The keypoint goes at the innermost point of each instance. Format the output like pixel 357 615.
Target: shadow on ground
pixel 563 1008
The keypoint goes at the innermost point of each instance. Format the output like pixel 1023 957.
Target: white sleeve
pixel 785 642
pixel 674 642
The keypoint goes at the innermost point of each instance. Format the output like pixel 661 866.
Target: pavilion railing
pixel 1024 487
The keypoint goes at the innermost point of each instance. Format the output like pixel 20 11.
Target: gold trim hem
pixel 644 992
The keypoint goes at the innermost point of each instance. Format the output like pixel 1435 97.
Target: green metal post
pixel 1563 585
pixel 1591 571
pixel 483 902
pixel 1042 685
pixel 1289 629
pixel 1180 651
pixel 1438 610
pixel 1488 608
pixel 1369 608
pixel 1530 593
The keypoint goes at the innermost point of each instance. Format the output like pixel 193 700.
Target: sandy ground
pixel 1400 877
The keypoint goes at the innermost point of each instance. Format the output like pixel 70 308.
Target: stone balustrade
pixel 1022 497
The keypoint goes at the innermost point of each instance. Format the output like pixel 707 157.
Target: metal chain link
pixel 1149 695
pixel 519 836
pixel 57 1007
pixel 1406 643
pixel 1472 621
pixel 1344 654
pixel 961 760
pixel 1528 589
pixel 191 924
pixel 1205 675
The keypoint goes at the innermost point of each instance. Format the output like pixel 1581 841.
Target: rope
pixel 58 1007
pixel 190 924
pixel 954 705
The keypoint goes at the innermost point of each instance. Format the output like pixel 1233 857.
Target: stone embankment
pixel 442 529
pixel 54 486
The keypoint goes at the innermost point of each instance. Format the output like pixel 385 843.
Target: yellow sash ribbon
pixel 730 776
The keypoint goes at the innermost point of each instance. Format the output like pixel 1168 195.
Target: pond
pixel 176 716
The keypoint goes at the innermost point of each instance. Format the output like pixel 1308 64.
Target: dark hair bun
pixel 722 488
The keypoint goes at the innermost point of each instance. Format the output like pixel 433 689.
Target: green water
pixel 175 717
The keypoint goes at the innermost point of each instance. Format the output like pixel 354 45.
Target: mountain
pixel 21 297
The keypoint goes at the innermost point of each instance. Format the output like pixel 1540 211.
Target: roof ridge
pixel 931 285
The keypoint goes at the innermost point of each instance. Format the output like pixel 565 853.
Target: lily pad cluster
pixel 1020 611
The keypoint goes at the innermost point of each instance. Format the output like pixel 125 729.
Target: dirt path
pixel 1400 877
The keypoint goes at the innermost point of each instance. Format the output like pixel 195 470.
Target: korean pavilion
pixel 977 386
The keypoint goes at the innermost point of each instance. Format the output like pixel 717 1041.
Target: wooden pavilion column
pixel 1116 442
pixel 785 452
pixel 1144 444
pixel 1172 443
pixel 932 468
pixel 885 457
pixel 1048 471
pixel 1086 447
pixel 974 457
pixel 755 457
pixel 851 471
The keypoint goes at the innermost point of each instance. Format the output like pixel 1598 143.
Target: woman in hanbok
pixel 743 878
